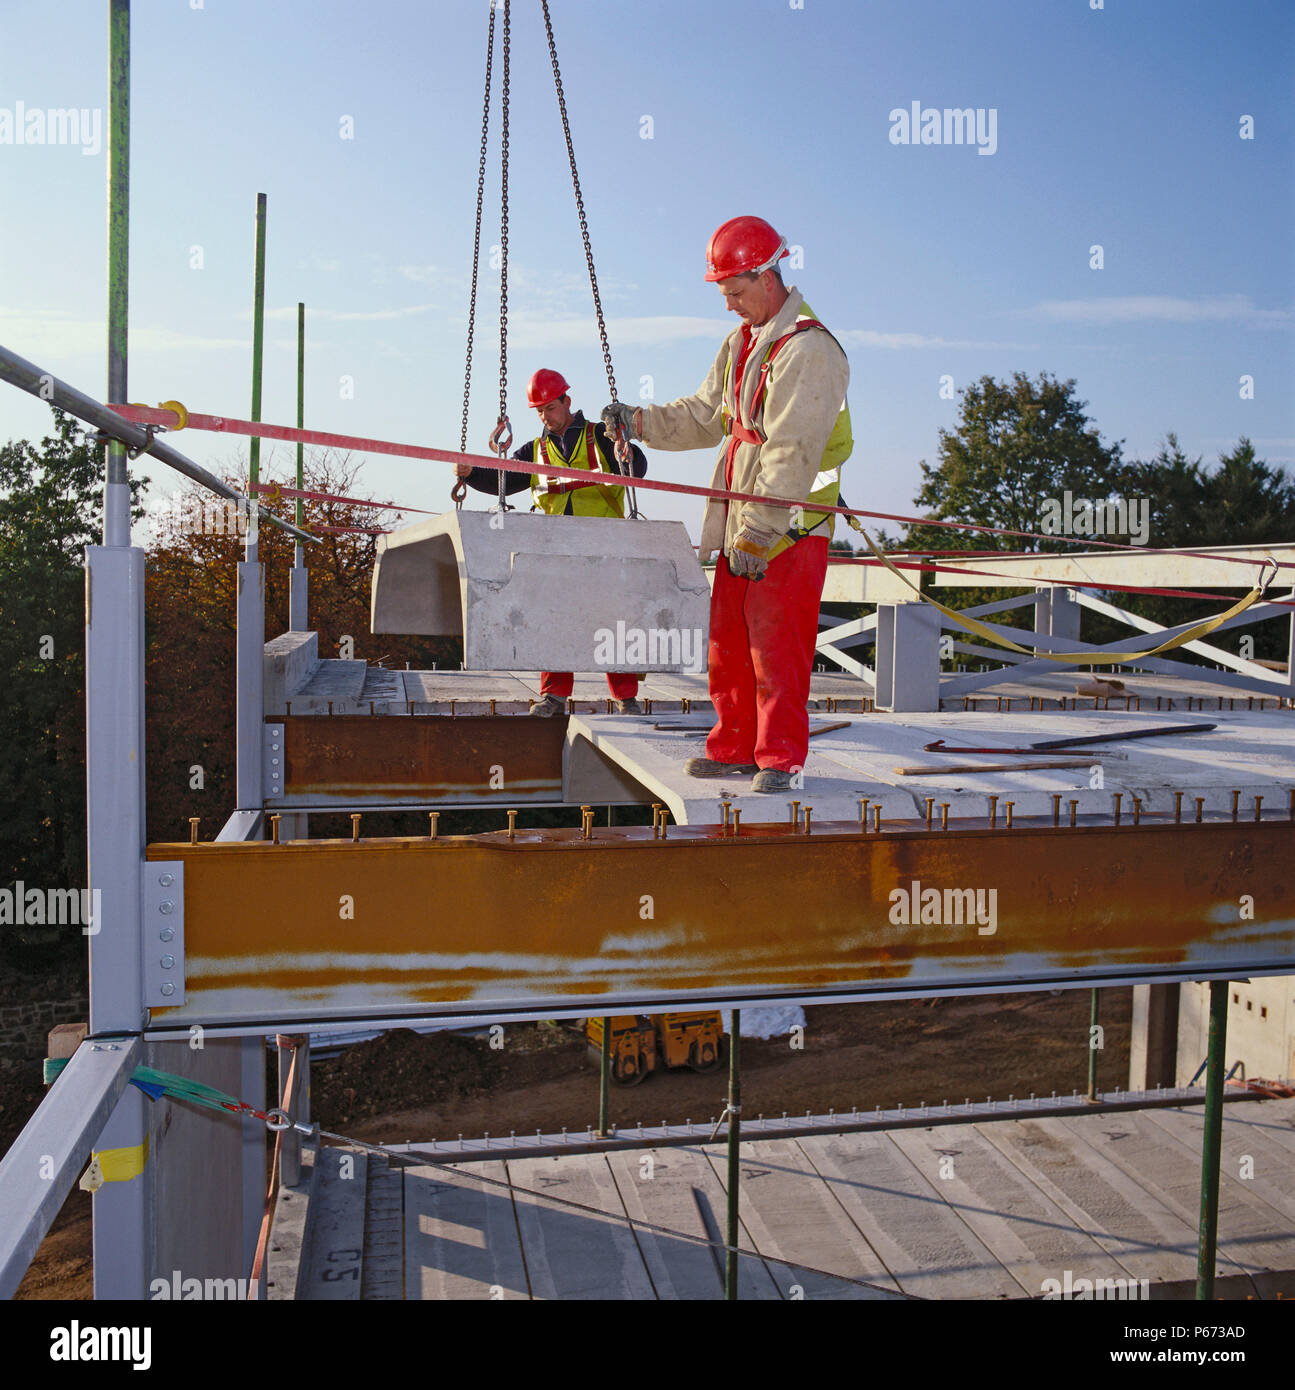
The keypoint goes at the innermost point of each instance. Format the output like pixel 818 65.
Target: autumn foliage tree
pixel 51 508
pixel 1020 443
pixel 191 601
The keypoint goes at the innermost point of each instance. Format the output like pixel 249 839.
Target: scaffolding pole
pixel 298 593
pixel 734 1152
pixel 1212 1142
pixel 45 386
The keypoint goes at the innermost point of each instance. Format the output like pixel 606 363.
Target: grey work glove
pixel 749 556
pixel 619 417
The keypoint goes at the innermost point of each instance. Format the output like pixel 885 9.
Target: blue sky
pixel 1117 127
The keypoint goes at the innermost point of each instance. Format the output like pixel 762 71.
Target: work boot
pixel 771 779
pixel 708 767
pixel 630 706
pixel 548 707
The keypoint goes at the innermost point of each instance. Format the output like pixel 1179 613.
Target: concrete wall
pixel 1261 1027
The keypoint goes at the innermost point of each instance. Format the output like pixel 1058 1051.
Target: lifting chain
pixel 502 438
pixel 623 452
pixel 460 488
pixel 580 204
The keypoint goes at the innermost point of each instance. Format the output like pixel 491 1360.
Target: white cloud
pixel 56 333
pixel 868 337
pixel 532 330
pixel 426 274
pixel 347 315
pixel 1152 308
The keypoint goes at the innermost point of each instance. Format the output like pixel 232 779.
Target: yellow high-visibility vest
pixel 587 499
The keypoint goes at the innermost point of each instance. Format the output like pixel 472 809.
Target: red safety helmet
pixel 545 386
pixel 743 244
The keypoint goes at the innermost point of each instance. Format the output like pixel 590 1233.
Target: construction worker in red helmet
pixel 775 400
pixel 567 440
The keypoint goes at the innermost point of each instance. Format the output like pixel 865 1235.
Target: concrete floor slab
pixel 1110 1196
pixel 1030 1234
pixel 461 1237
pixel 572 1254
pixel 678 1189
pixel 788 1209
pixel 1138 1231
pixel 930 1250
pixel 1165 1160
pixel 1252 753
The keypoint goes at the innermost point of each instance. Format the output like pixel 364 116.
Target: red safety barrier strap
pixel 224 425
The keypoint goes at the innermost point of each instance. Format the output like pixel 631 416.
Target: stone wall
pixel 24 1027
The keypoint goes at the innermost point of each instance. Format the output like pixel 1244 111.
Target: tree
pixel 190 625
pixel 51 508
pixel 1016 446
pixel 1174 487
pixel 1243 502
pixel 1247 502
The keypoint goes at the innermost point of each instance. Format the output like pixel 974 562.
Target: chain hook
pixel 502 438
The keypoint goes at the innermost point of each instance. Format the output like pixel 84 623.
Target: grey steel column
pixel 123 1211
pixel 114 627
pixel 249 683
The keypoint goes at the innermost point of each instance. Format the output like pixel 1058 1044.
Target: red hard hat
pixel 743 244
pixel 545 386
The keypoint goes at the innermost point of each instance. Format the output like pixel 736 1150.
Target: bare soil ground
pixel 404 1086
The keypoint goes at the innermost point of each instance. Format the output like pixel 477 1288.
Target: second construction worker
pixel 568 440
pixel 775 398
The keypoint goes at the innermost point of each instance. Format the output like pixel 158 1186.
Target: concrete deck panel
pixel 1025 1229
pixel 673 1189
pixel 461 1235
pixel 432 691
pixel 1191 568
pixel 929 1249
pixel 1134 1227
pixel 1111 1196
pixel 332 1257
pixel 571 1254
pixel 1164 1161
pixel 787 1209
pixel 1251 752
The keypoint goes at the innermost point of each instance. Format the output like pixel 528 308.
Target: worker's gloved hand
pixel 462 470
pixel 620 416
pixel 748 557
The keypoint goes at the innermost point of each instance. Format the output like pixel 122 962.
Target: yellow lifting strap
pixel 1192 634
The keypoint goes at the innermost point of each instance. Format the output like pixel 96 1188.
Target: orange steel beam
pixel 384 758
pixel 624 919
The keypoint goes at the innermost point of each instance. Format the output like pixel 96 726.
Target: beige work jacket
pixel 806 392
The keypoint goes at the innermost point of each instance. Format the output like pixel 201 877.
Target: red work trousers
pixel 762 638
pixel 559 684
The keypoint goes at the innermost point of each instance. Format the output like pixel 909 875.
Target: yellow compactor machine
pixel 642 1042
